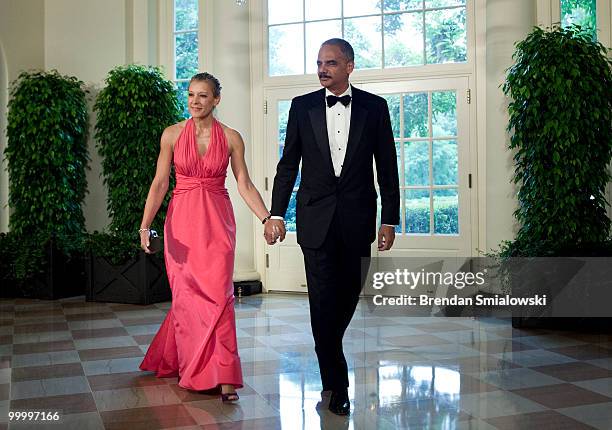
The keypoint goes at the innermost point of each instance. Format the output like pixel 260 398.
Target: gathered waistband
pixel 214 184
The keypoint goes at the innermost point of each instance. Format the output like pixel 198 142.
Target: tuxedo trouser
pixel 335 273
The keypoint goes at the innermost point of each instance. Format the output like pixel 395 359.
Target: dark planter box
pixel 8 288
pixel 247 288
pixel 597 325
pixel 141 280
pixel 63 277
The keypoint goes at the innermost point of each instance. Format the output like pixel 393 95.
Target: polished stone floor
pixel 81 359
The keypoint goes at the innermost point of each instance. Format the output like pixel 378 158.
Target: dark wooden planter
pixel 247 288
pixel 141 280
pixel 593 325
pixel 63 277
pixel 8 288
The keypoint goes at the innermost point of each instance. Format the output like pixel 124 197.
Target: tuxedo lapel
pixel 358 119
pixel 318 120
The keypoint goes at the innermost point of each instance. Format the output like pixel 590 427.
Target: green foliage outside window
pixel 186 55
pixel 185 15
pixel 186 47
pixel 446 215
pixel 582 13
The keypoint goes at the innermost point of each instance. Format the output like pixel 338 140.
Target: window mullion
pixel 304 34
pixel 424 34
pixel 382 36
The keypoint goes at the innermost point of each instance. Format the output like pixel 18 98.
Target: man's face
pixel 333 68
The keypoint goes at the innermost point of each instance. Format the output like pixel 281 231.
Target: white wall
pixel 21 48
pixel 87 38
pixel 507 22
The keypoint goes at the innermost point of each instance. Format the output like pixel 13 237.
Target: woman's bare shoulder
pixel 176 128
pixel 172 132
pixel 231 134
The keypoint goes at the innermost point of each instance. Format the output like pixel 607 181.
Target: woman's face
pixel 201 99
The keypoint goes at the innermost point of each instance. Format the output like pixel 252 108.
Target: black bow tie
pixel 332 100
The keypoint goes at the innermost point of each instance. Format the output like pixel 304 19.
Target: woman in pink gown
pixel 197 339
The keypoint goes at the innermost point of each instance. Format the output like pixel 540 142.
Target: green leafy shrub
pixel 133 110
pixel 561 132
pixel 8 254
pixel 116 248
pixel 47 158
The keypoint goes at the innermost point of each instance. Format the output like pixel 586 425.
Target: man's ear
pixel 350 66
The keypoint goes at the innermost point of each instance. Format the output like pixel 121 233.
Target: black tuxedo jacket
pixel 353 194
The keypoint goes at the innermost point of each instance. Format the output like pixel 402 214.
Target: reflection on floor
pixel 82 359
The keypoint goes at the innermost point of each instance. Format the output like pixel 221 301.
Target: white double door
pixel 430 120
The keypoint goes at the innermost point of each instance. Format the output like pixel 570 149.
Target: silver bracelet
pixel 143 229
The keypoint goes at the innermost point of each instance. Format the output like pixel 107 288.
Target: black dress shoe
pixel 339 403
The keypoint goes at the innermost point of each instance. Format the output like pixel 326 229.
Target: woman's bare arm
pixel 246 188
pixel 160 183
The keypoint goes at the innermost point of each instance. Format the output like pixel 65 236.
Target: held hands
pixel 386 237
pixel 273 230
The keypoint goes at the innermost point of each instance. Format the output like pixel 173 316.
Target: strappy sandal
pixel 229 397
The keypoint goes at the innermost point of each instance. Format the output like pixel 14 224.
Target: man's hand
pixel 273 229
pixel 386 237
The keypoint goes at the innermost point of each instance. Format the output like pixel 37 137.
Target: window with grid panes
pixel 185 46
pixel 383 33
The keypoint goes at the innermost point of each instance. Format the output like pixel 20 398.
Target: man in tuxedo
pixel 337 133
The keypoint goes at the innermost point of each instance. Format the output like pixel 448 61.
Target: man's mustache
pixel 324 76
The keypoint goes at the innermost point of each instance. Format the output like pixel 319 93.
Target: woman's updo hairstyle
pixel 204 76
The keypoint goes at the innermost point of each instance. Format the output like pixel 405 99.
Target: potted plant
pixel 133 110
pixel 561 134
pixel 47 157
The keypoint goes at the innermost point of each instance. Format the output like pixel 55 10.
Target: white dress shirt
pixel 338 125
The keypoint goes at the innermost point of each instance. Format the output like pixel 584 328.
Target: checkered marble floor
pixel 81 359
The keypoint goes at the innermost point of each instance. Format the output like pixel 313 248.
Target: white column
pixel 21 48
pixel 507 22
pixel 230 64
pixel 141 31
pixel 4 211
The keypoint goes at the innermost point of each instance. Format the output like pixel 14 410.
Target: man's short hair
pixel 345 47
